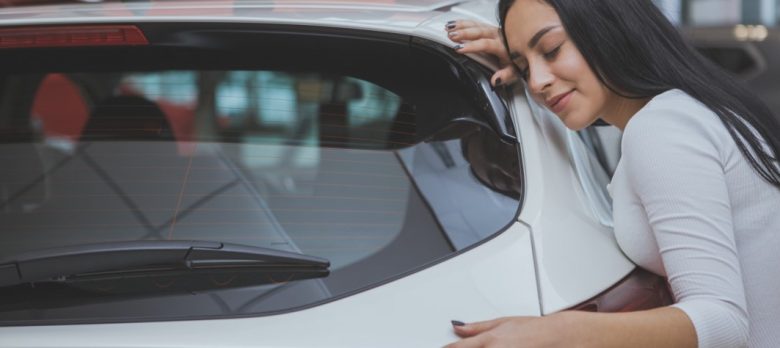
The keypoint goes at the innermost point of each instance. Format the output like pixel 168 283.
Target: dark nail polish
pixel 451 23
pixel 451 26
pixel 457 323
pixel 499 83
pixel 457 47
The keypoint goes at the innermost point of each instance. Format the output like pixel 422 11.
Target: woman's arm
pixel 661 327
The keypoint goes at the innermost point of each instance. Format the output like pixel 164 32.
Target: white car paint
pixel 494 279
pixel 573 256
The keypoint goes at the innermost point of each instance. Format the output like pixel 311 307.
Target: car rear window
pixel 382 170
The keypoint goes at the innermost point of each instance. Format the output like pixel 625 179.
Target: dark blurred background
pixel 739 35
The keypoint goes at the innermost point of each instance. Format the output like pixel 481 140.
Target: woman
pixel 696 194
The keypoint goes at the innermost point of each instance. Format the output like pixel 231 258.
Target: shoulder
pixel 674 121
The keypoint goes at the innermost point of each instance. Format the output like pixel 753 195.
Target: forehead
pixel 524 19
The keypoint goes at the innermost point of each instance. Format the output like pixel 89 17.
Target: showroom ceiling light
pixel 750 32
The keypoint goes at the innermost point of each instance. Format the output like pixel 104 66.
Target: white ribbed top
pixel 688 205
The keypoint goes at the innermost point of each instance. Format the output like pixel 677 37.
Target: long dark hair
pixel 637 53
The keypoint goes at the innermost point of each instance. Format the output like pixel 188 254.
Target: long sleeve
pixel 675 164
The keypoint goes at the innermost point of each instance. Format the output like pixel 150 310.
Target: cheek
pixel 597 98
pixel 577 72
pixel 572 66
pixel 569 63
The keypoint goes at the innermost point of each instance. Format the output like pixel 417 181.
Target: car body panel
pixel 576 255
pixel 396 19
pixel 472 286
pixel 573 256
pixel 393 5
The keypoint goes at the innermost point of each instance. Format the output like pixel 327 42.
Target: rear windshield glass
pixel 350 166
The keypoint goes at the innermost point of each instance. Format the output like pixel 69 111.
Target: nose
pixel 539 77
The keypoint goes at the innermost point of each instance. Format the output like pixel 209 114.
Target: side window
pixel 596 152
pixel 471 180
pixel 603 143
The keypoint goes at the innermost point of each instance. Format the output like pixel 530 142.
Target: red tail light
pixel 59 36
pixel 638 291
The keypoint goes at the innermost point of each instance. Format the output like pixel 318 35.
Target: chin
pixel 575 123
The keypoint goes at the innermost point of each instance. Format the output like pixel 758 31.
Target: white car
pixel 284 174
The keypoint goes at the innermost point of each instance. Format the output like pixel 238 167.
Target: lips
pixel 558 102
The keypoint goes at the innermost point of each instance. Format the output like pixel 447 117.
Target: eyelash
pixel 549 56
pixel 553 52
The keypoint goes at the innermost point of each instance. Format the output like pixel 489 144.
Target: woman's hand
pixel 550 331
pixel 658 327
pixel 477 37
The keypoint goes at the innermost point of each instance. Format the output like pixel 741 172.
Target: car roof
pixel 420 18
pixel 391 15
pixel 396 5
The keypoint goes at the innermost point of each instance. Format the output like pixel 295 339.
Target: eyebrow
pixel 534 40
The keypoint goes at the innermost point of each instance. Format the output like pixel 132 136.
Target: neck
pixel 622 111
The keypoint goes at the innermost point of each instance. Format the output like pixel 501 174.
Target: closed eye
pixel 553 53
pixel 548 56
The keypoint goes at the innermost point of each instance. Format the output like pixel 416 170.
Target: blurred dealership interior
pixel 721 12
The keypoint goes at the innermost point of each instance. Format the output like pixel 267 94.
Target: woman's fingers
pixel 464 23
pixel 507 75
pixel 478 37
pixel 476 328
pixel 488 46
pixel 473 33
pixel 504 77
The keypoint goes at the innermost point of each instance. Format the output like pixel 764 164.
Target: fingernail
pixel 457 323
pixel 498 82
pixel 450 22
pixel 457 47
pixel 453 34
pixel 450 25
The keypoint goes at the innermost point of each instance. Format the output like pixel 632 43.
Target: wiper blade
pixel 142 266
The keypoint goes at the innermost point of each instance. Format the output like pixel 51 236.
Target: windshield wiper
pixel 158 266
